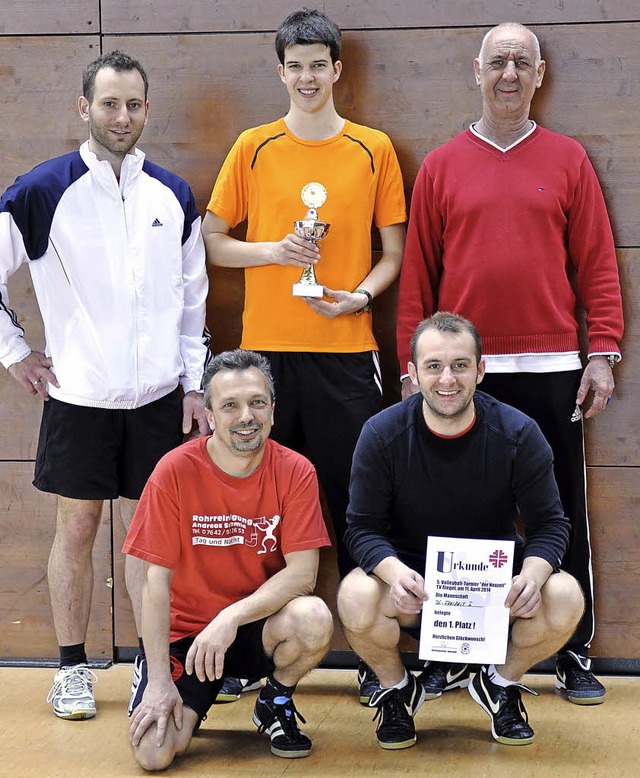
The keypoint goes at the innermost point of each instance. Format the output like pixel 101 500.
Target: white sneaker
pixel 72 693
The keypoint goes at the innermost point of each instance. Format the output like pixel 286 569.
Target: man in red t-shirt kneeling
pixel 229 528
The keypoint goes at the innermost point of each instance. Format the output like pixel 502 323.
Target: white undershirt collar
pixel 472 127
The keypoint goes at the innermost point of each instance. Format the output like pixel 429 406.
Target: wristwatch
pixel 611 358
pixel 369 297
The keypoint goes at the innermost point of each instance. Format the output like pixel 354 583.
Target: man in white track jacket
pixel 113 245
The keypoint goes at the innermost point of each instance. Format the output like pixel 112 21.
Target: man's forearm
pixel 387 269
pixel 293 581
pixel 155 623
pixel 225 251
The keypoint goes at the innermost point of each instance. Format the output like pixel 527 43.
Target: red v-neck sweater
pixel 492 236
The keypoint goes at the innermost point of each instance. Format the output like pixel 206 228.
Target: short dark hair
pixel 117 60
pixel 443 321
pixel 238 359
pixel 305 28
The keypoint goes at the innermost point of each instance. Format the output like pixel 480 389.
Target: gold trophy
pixel 311 229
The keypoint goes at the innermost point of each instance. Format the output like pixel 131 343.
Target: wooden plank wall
pixel 407 70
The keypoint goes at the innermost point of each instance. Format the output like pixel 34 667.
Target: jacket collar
pixel 102 170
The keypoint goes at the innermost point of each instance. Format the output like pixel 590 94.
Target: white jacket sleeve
pixel 13 347
pixel 194 337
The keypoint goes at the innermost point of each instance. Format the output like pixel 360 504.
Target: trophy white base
pixel 308 290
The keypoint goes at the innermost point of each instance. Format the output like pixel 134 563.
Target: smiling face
pixel 240 412
pixel 309 76
pixel 117 113
pixel 508 72
pixel 446 370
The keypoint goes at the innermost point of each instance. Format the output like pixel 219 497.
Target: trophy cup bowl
pixel 313 231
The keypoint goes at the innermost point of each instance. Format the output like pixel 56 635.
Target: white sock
pixel 495 677
pixel 401 684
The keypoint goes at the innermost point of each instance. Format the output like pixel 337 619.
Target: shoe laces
pixel 74 682
pixel 579 667
pixel 579 674
pixel 390 701
pixel 512 710
pixel 285 713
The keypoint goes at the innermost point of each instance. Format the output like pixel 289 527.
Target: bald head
pixel 505 27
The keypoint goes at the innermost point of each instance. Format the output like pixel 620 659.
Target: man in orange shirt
pixel 322 352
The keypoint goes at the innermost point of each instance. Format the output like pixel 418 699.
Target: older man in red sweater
pixel 500 216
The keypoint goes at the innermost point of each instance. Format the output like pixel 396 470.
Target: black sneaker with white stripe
pixel 439 677
pixel 396 709
pixel 232 688
pixel 575 680
pixel 368 682
pixel 277 718
pixel 503 704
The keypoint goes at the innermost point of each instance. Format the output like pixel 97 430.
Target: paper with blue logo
pixel 465 618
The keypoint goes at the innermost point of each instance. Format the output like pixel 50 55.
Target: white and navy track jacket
pixel 119 273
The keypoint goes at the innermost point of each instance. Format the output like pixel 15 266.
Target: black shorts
pixel 245 658
pixel 102 454
pixel 322 401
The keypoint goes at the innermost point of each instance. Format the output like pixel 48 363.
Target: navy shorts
pixel 245 658
pixel 102 454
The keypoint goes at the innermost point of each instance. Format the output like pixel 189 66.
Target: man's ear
pixel 83 108
pixel 476 70
pixel 482 367
pixel 413 373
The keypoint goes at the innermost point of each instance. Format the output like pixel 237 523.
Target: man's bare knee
pixel 151 757
pixel 77 522
pixel 310 620
pixel 358 600
pixel 563 601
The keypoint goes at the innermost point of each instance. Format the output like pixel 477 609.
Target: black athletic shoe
pixel 575 680
pixel 396 709
pixel 277 718
pixel 509 720
pixel 368 682
pixel 439 677
pixel 232 688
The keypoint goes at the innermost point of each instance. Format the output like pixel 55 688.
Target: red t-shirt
pixel 223 536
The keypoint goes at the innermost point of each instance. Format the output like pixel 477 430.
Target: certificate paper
pixel 465 619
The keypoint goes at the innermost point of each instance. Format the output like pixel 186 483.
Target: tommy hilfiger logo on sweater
pixel 157 223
